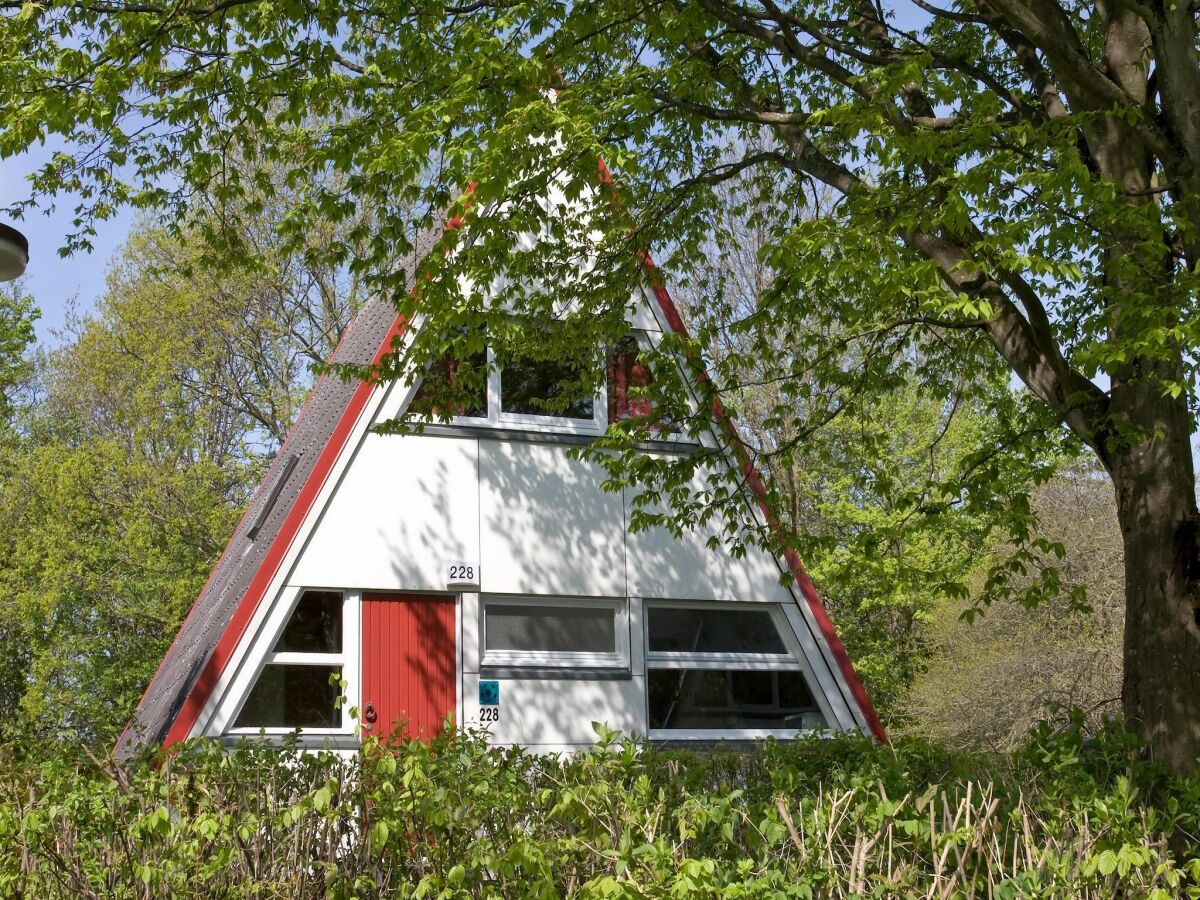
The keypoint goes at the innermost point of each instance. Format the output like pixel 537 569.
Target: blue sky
pixel 53 281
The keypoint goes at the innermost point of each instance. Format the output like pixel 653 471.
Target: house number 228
pixel 462 573
pixel 489 714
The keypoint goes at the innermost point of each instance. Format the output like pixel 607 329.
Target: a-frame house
pixel 478 570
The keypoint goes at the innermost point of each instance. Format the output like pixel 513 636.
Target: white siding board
pixel 541 712
pixel 641 316
pixel 546 527
pixel 406 504
pixel 663 566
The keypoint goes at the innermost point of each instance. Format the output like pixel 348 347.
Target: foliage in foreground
pixel 454 818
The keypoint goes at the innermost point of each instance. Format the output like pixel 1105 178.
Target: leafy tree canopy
pixel 17 316
pixel 1016 184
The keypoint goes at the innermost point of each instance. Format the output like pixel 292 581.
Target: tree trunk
pixel 1156 505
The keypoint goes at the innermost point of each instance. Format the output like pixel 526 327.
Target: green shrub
pixel 833 817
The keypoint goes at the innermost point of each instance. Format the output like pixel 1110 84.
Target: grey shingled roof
pixel 251 541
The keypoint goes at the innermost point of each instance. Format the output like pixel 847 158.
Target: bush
pixel 455 818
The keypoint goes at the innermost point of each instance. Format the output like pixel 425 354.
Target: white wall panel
pixel 546 527
pixel 664 566
pixel 406 504
pixel 641 316
pixel 555 712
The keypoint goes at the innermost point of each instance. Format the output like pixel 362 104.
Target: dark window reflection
pixel 466 380
pixel 720 698
pixel 713 631
pixel 315 626
pixel 289 696
pixel 572 629
pixel 538 388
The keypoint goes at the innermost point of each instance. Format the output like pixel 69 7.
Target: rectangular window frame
pixel 555 659
pixel 347 659
pixel 790 661
pixel 497 419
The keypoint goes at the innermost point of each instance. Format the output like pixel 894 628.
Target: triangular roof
pixel 210 635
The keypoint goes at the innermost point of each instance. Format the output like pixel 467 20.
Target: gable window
pixel 529 392
pixel 720 671
pixel 297 685
pixel 531 387
pixel 526 392
pixel 549 632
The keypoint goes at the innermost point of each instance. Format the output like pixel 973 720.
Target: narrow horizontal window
pixel 563 629
pixel 292 696
pixel 534 632
pixel 726 699
pixel 717 630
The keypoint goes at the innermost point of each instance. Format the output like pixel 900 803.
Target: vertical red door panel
pixel 408 663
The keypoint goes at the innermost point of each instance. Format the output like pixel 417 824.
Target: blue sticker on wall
pixel 489 693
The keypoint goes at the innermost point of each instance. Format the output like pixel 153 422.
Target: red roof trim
pixel 198 696
pixel 278 461
pixel 819 613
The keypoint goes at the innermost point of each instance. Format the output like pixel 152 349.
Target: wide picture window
pixel 297 685
pixel 724 671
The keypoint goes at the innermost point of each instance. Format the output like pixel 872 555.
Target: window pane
pixel 714 698
pixel 713 631
pixel 526 385
pixel 570 629
pixel 289 696
pixel 315 626
pixel 465 382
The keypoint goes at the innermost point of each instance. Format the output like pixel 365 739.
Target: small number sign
pixel 462 573
pixel 489 701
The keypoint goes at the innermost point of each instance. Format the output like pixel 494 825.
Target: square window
pixel 538 387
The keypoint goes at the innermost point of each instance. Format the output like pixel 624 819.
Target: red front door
pixel 408 663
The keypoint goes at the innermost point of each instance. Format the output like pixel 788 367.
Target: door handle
pixel 369 714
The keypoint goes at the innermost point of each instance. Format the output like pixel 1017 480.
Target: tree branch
pixel 1026 344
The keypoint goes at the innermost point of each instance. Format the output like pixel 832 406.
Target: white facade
pixel 541 531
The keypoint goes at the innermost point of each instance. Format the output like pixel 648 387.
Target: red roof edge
pixel 280 457
pixel 754 480
pixel 185 719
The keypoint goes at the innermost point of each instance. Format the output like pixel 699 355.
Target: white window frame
pixel 788 661
pixel 526 422
pixel 348 660
pixel 556 659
